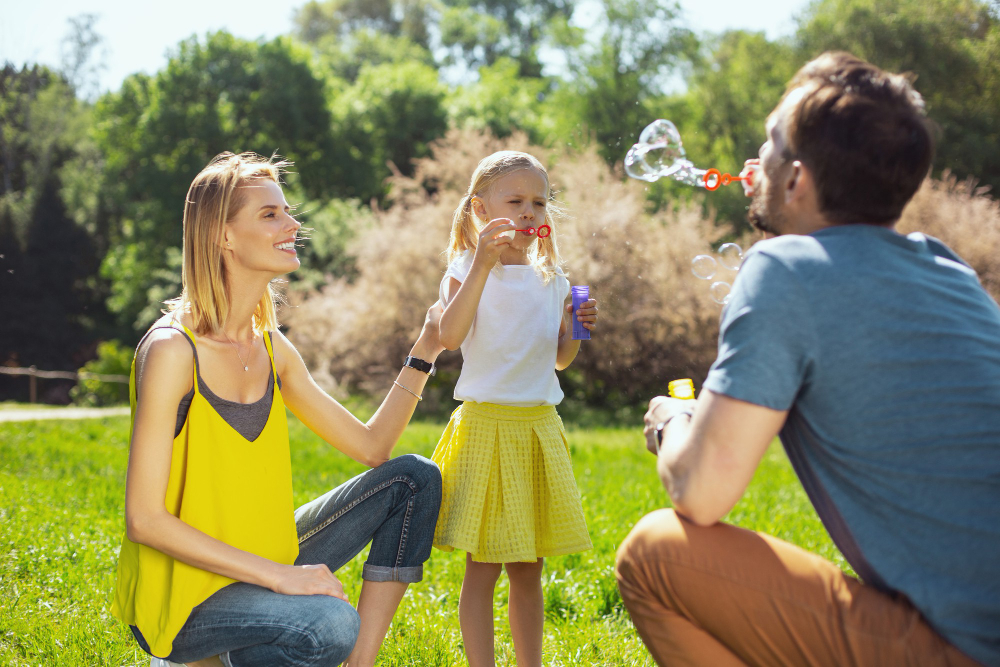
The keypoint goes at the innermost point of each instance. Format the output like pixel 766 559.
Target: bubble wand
pixel 660 154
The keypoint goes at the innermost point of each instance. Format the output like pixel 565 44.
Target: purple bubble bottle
pixel 580 294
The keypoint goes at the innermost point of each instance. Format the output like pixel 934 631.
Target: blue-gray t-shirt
pixel 885 350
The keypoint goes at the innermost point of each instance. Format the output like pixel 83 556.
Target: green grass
pixel 61 503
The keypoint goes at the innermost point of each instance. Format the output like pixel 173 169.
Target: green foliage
pixel 951 46
pixel 328 230
pixel 389 115
pixel 112 359
pixel 216 94
pixel 614 90
pixel 62 505
pixel 47 260
pixel 480 32
pixel 502 102
pixel 317 22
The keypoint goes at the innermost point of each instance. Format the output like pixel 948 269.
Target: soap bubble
pixel 720 291
pixel 731 256
pixel 704 266
pixel 660 154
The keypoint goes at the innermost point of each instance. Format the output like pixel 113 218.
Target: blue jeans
pixel 394 506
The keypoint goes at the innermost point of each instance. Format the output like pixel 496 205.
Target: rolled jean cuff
pixel 409 575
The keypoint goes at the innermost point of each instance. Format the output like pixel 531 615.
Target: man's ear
pixel 799 183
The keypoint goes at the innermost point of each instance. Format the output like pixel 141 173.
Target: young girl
pixel 509 497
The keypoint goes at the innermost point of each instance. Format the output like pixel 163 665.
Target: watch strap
pixel 419 364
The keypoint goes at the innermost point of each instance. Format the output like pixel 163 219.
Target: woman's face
pixel 521 196
pixel 261 237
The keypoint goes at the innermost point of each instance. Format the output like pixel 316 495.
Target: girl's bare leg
pixel 526 610
pixel 475 611
pixel 376 607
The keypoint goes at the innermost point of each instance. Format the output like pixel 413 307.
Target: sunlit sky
pixel 138 35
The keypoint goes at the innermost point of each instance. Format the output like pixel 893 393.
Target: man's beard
pixel 764 213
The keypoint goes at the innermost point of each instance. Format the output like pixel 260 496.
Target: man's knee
pixel 645 554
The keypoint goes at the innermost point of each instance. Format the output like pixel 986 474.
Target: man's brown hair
pixel 863 133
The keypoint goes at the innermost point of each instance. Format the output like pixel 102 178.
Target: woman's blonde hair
pixel 544 254
pixel 215 197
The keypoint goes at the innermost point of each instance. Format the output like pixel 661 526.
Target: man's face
pixel 767 206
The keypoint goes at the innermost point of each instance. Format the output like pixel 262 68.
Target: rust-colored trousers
pixel 723 596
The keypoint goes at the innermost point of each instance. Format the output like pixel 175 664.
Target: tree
pixel 951 47
pixel 156 133
pixel 46 259
pixel 480 32
pixel 617 81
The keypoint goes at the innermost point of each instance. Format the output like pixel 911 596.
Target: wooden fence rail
pixel 33 375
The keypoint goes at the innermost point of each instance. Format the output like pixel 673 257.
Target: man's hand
pixel 661 410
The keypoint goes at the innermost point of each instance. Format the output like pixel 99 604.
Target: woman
pixel 215 561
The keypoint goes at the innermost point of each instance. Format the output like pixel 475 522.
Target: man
pixel 876 359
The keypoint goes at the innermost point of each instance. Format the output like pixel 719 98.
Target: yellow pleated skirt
pixel 508 489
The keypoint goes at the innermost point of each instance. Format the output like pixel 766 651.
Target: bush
pixel 657 321
pixel 112 359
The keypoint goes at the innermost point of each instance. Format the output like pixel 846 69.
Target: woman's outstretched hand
pixel 308 580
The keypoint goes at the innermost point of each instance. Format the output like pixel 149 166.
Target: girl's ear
pixel 478 208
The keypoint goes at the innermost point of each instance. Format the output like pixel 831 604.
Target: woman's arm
pixel 369 443
pixel 167 370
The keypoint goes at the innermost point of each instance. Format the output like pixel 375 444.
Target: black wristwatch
pixel 420 365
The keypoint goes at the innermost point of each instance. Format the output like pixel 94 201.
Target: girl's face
pixel 261 237
pixel 521 196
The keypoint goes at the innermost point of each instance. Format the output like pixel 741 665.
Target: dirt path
pixel 16 415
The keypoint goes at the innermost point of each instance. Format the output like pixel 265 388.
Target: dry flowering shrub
pixel 965 218
pixel 657 321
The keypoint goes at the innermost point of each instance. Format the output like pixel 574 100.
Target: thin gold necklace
pixel 246 365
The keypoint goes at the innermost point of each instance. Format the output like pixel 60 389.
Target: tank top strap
pixel 190 339
pixel 266 335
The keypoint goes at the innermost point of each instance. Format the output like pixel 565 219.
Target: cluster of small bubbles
pixel 660 154
pixel 730 256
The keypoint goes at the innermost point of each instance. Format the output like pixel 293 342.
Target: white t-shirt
pixel 509 355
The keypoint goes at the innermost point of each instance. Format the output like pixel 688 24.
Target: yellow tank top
pixel 237 491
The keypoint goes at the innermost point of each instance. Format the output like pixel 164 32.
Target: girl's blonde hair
pixel 215 197
pixel 544 254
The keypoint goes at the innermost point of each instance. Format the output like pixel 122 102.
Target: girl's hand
pixel 492 241
pixel 308 580
pixel 586 313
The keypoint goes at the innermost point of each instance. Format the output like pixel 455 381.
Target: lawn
pixel 61 500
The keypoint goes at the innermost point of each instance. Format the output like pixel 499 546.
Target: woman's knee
pixel 333 632
pixel 421 470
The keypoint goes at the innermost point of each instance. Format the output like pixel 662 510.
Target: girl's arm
pixel 369 443
pixel 568 348
pixel 167 371
pixel 462 299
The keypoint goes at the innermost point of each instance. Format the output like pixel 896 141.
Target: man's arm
pixel 707 461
